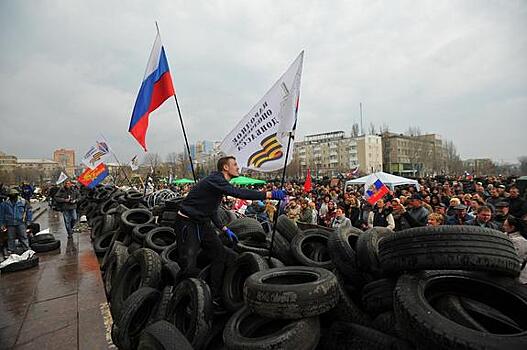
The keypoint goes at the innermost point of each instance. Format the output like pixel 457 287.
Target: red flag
pixel 307 185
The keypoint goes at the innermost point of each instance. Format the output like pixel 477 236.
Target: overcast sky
pixel 71 70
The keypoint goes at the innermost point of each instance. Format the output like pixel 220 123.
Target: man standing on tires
pixel 199 210
pixel 15 214
pixel 67 198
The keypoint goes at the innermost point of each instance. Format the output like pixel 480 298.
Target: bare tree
pixel 371 129
pixel 454 165
pixel 355 131
pixel 523 165
pixel 413 131
pixel 384 128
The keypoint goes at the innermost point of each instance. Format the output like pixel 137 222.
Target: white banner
pixel 134 163
pixel 259 141
pixel 61 178
pixel 96 154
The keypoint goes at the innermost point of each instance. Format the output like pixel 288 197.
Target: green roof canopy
pixel 245 181
pixel 182 181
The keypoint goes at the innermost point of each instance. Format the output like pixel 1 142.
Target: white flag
pixel 96 154
pixel 133 163
pixel 61 178
pixel 259 141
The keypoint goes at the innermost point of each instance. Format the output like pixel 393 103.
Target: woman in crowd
pixel 380 216
pixel 330 214
pixel 435 219
pixel 341 221
pixel 514 227
pixel 353 212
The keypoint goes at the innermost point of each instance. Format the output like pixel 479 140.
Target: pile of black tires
pixel 452 287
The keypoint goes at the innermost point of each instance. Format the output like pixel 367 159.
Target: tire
pixel 134 217
pixel 116 261
pixel 141 269
pixel 160 238
pixel 173 204
pixel 170 216
pixel 368 251
pixel 385 322
pixel 136 312
pixel 106 258
pixel 449 248
pixel 161 310
pixel 43 238
pixel 21 265
pixel 346 309
pixel 291 292
pixel 273 262
pixel 107 205
pixel 311 249
pixel 170 274
pixel 450 307
pixel 102 243
pixel 248 228
pixel 345 335
pixel 248 331
pixel 133 247
pixel 45 247
pixel 95 229
pixel 246 264
pixel 163 335
pixel 194 295
pixel 140 231
pixel 377 296
pixel 259 248
pixel 421 323
pixel 109 223
pixel 341 246
pixel 282 249
pixel 226 216
pixel 169 254
pixel 287 227
pixel 215 337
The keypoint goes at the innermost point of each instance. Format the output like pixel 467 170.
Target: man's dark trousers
pixel 193 235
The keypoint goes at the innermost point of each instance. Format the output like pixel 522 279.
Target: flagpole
pixel 182 125
pixel 118 162
pixel 279 201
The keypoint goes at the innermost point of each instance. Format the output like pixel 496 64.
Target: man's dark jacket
pixel 203 201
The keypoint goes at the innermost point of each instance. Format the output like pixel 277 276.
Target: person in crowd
pixel 484 218
pixel 26 191
pixel 516 230
pixel 306 212
pixel 330 214
pixel 440 209
pixel 323 209
pixel 480 190
pixel 340 221
pixel 199 212
pixel 501 214
pixel 353 212
pixel 416 215
pixel 475 203
pixel 292 210
pixel 380 216
pixel 454 202
pixel 66 198
pixel 517 206
pixel 460 217
pixel 313 207
pixel 270 210
pixel 502 191
pixel 15 216
pixel 435 219
pixel 494 198
pixel 257 209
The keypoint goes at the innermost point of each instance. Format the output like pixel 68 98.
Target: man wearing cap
pixel 416 215
pixel 502 213
pixel 15 214
pixel 67 198
pixel 484 218
pixel 460 217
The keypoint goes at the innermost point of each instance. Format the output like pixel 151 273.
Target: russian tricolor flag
pixel 376 192
pixel 156 88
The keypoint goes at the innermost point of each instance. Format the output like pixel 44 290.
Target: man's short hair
pixel 484 208
pixel 224 161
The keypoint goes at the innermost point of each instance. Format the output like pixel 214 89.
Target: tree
pixel 413 131
pixel 371 129
pixel 453 164
pixel 355 132
pixel 384 128
pixel 523 165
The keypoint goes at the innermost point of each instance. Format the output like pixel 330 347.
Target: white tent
pixel 388 179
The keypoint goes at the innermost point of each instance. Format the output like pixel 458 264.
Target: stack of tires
pixel 452 287
pixel 44 242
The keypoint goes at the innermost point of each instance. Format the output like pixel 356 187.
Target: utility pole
pixel 361 127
